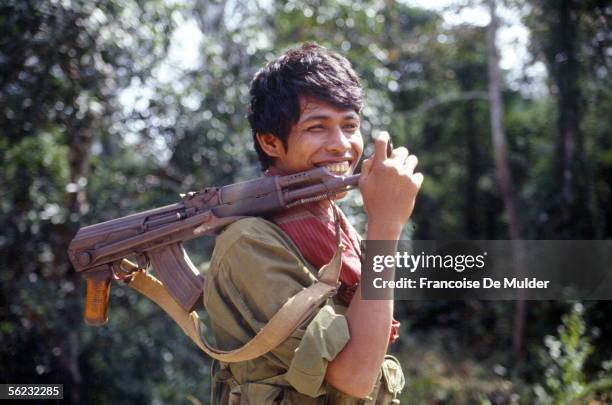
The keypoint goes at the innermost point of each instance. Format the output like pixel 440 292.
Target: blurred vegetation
pixel 101 116
pixel 566 381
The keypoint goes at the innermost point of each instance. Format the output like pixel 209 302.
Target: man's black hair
pixel 309 71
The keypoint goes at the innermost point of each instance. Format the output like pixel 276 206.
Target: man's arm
pixel 389 188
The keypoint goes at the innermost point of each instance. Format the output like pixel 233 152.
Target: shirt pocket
pixel 256 394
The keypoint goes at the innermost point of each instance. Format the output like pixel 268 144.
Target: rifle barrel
pixel 335 186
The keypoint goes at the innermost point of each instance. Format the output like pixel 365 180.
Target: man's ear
pixel 271 145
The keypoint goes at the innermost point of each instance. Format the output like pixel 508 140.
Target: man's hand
pixel 389 186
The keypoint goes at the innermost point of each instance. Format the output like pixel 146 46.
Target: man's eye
pixel 316 128
pixel 351 127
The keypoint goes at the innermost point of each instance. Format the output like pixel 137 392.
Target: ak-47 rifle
pixel 154 237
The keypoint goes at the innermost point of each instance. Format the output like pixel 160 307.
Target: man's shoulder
pixel 249 227
pixel 247 249
pixel 250 231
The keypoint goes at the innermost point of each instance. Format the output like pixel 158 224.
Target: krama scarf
pixel 312 229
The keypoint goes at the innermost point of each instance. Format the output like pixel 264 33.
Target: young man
pixel 305 112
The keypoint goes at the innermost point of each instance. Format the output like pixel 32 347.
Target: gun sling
pixel 296 310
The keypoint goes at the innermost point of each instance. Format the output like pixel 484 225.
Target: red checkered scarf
pixel 312 229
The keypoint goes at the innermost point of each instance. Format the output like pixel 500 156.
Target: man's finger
pixel 366 166
pixel 418 179
pixel 411 162
pixel 401 154
pixel 380 147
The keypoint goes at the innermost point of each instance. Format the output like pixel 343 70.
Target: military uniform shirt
pixel 254 270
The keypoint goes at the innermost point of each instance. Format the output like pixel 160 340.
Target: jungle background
pixel 108 107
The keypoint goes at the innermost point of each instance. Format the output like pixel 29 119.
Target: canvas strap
pixel 295 311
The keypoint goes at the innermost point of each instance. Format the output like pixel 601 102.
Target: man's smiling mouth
pixel 339 168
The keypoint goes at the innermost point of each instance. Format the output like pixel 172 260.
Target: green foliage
pixel 569 37
pixel 41 163
pixel 565 379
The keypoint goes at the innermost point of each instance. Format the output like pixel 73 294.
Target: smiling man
pixel 305 112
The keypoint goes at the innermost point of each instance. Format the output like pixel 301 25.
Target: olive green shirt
pixel 254 270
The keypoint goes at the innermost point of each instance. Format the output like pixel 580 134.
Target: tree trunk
pixel 80 140
pixel 575 212
pixel 502 167
pixel 472 207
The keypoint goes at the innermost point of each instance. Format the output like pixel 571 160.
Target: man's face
pixel 323 136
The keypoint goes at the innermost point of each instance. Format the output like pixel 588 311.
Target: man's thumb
pixel 366 166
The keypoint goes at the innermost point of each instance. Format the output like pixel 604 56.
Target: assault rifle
pixel 154 237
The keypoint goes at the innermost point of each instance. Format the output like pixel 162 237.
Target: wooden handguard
pixel 178 274
pixel 96 298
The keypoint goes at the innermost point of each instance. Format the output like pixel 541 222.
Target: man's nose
pixel 340 141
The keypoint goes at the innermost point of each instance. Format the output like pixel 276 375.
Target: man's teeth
pixel 339 168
